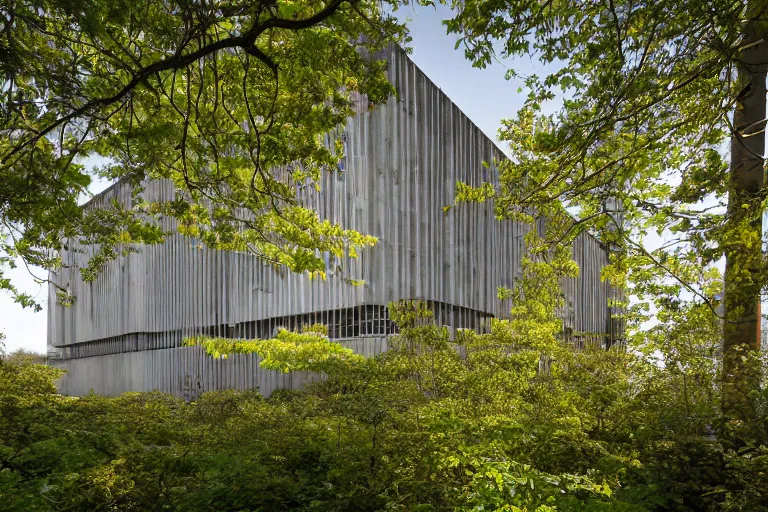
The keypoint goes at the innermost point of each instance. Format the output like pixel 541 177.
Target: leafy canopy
pixel 234 101
pixel 652 92
pixel 637 149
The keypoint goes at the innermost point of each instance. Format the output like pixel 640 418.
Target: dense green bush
pixel 519 421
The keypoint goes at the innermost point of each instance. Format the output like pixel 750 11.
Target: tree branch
pixel 245 41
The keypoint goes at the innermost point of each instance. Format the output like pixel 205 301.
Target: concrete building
pixel 402 162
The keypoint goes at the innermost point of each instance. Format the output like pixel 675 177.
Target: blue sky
pixel 483 94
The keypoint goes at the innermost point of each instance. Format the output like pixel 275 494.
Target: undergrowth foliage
pixel 514 419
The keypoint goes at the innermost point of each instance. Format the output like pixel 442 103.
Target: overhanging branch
pixel 246 41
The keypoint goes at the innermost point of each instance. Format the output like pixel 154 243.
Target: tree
pixel 229 99
pixel 653 90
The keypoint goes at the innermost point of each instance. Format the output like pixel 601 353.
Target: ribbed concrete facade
pixel 403 160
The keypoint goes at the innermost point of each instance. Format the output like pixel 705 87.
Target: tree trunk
pixel 743 241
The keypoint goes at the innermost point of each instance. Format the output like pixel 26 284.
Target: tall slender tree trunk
pixel 743 245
